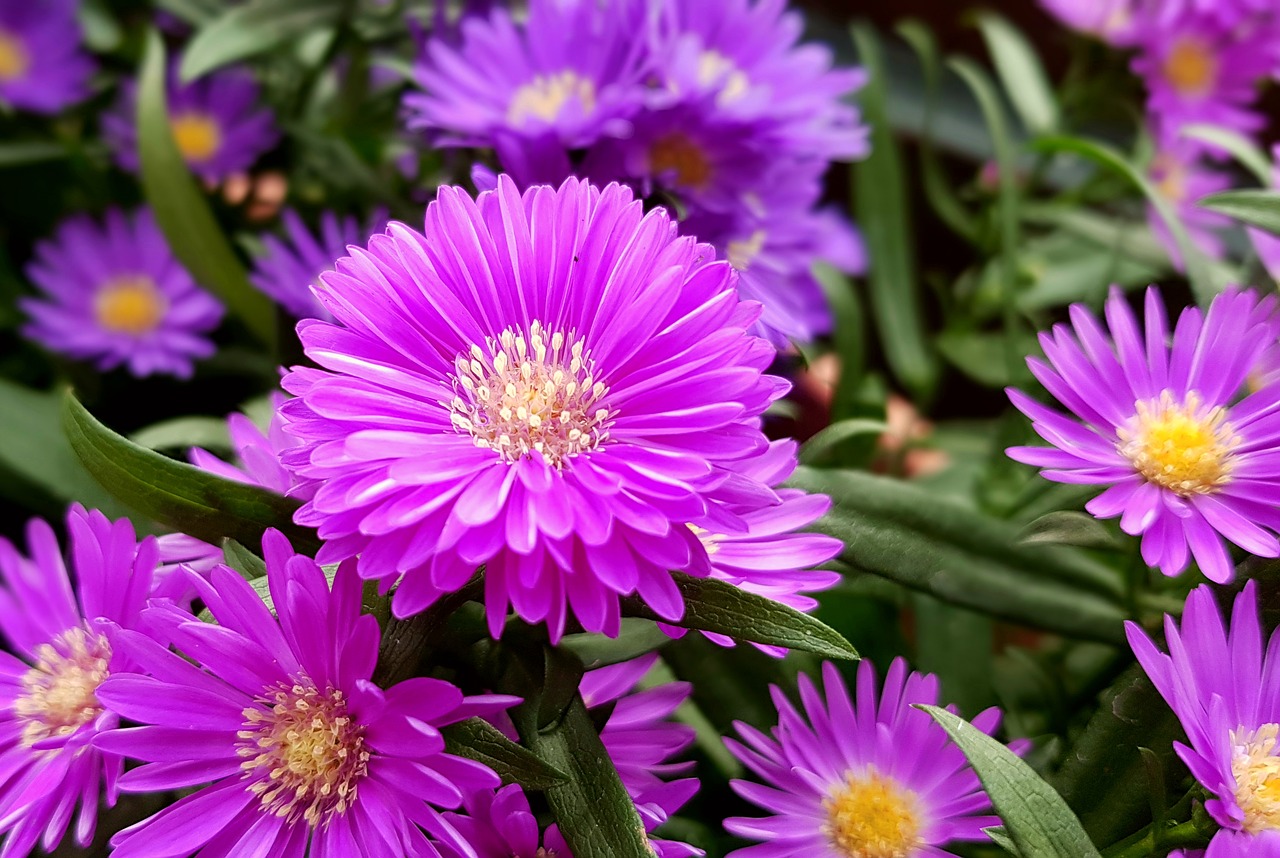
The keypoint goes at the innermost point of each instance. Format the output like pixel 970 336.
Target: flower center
pixel 545 97
pixel 873 817
pixel 1181 446
pixel 710 541
pixel 14 59
pixel 741 252
pixel 677 155
pixel 1256 770
pixel 1171 179
pixel 531 392
pixel 714 67
pixel 308 753
pixel 129 305
pixel 59 693
pixel 198 135
pixel 1191 66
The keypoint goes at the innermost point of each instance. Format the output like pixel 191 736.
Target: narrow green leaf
pixel 880 201
pixel 1001 838
pixel 1021 73
pixel 1253 207
pixel 249 565
pixel 1069 527
pixel 958 647
pixel 254 28
pixel 20 153
pixel 176 494
pixel 181 210
pixel 832 436
pixel 849 335
pixel 182 433
pixel 1035 817
pixel 477 739
pixel 636 638
pixel 720 607
pixel 939 546
pixel 1240 147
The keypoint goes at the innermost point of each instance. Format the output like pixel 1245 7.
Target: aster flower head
pixel 552 385
pixel 290 265
pixel 114 293
pixel 863 777
pixel 1188 462
pixel 279 716
pixel 217 121
pixel 57 655
pixel 1112 21
pixel 1183 177
pixel 571 71
pixel 43 66
pixel 1223 688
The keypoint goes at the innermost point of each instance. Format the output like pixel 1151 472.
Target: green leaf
pixel 1252 207
pixel 183 433
pixel 1069 527
pixel 254 28
pixel 1001 838
pixel 720 607
pixel 250 566
pixel 832 436
pixel 477 739
pixel 20 153
pixel 181 210
pixel 179 495
pixel 1240 147
pixel 636 638
pixel 939 546
pixel 1035 817
pixel 1023 76
pixel 880 201
pixel 849 336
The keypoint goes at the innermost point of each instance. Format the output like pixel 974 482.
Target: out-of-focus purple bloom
pixel 1183 178
pixel 114 293
pixel 1266 245
pixel 1112 21
pixel 43 67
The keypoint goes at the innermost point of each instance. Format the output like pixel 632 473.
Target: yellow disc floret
pixel 129 305
pixel 1191 67
pixel 873 816
pixel 59 693
pixel 14 57
pixel 1181 446
pixel 1256 769
pixel 545 97
pixel 679 156
pixel 198 135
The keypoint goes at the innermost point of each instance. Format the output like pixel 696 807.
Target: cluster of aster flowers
pixel 711 109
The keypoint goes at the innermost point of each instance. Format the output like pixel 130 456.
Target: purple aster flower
pixel 572 70
pixel 258 453
pixel 739 60
pixel 1112 21
pixel 550 385
pixel 57 656
pixel 218 124
pixel 1183 178
pixel 859 777
pixel 280 717
pixel 290 266
pixel 1188 462
pixel 42 66
pixel 1225 692
pixel 114 293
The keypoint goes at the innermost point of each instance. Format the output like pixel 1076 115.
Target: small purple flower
pixel 1112 21
pixel 1183 177
pixel 217 123
pixel 302 749
pixel 551 385
pixel 258 453
pixel 859 777
pixel 290 266
pixel 43 67
pixel 114 293
pixel 1224 691
pixel 1188 462
pixel 56 658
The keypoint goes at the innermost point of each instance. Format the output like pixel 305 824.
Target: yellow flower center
pixel 872 816
pixel 14 58
pixel 1191 66
pixel 308 747
pixel 526 392
pixel 545 97
pixel 59 693
pixel 741 252
pixel 1256 770
pixel 198 135
pixel 1171 179
pixel 1181 446
pixel 129 305
pixel 677 155
pixel 714 67
pixel 709 540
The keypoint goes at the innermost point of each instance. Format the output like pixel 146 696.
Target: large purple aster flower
pixel 114 293
pixel 56 658
pixel 217 122
pixel 303 751
pixel 42 66
pixel 1188 462
pixel 551 385
pixel 859 777
pixel 1226 693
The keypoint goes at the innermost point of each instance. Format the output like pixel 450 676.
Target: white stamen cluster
pixel 59 692
pixel 1256 769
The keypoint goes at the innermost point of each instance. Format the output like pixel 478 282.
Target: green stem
pixel 1149 845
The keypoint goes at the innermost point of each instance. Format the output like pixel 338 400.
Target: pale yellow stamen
pixel 129 305
pixel 714 67
pixel 545 97
pixel 1181 446
pixel 14 58
pixel 1256 770
pixel 679 156
pixel 198 135
pixel 1191 66
pixel 527 392
pixel 306 750
pixel 59 693
pixel 709 540
pixel 872 816
pixel 742 252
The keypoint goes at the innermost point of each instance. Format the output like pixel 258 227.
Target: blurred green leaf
pixel 939 546
pixel 183 433
pixel 102 32
pixel 1253 207
pixel 19 153
pixel 848 331
pixel 832 436
pixel 1240 147
pixel 1069 527
pixel 958 647
pixel 1035 817
pixel 984 357
pixel 254 28
pixel 1063 267
pixel 195 12
pixel 477 739
pixel 1021 73
pixel 176 494
pixel 181 209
